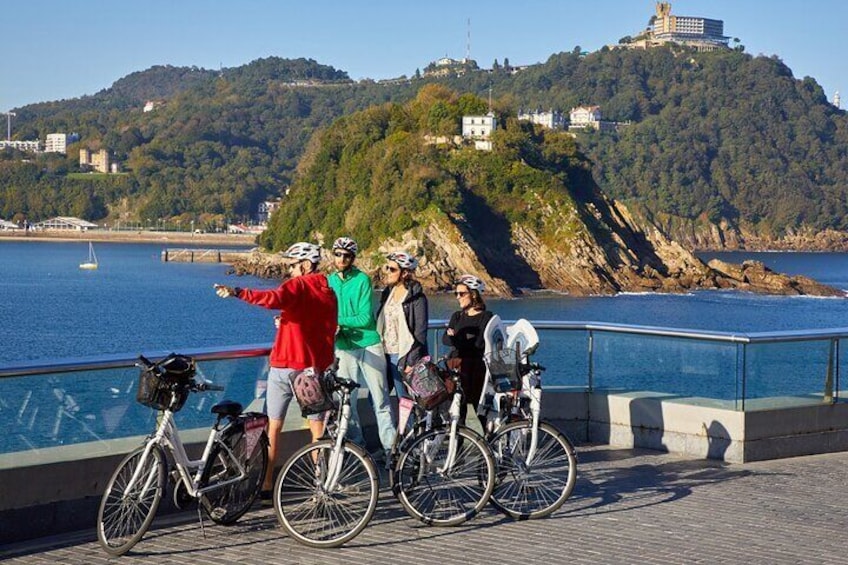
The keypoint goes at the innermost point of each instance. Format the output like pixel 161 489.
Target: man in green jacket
pixel 358 345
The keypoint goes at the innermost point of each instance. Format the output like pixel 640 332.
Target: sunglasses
pixel 343 255
pixel 390 269
pixel 461 293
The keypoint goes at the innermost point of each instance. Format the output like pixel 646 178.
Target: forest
pixel 711 136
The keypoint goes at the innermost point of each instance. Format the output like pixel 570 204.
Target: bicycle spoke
pixel 320 514
pixel 124 515
pixel 537 489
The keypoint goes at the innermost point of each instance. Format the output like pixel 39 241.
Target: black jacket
pixel 415 310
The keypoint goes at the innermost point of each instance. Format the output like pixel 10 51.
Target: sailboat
pixel 91 264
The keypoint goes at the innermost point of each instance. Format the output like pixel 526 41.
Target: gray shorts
pixel 279 394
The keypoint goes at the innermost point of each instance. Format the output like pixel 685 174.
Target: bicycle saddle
pixel 227 408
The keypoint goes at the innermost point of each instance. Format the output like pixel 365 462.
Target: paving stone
pixel 628 506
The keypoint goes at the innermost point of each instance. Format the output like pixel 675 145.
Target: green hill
pixel 714 137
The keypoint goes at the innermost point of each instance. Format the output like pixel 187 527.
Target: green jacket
pixel 357 325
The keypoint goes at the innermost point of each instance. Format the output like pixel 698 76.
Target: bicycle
pixel 443 472
pixel 327 491
pixel 537 464
pixel 225 480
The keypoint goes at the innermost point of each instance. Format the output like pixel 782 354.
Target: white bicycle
pixel 225 480
pixel 327 491
pixel 537 464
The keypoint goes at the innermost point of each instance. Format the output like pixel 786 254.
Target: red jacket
pixel 308 321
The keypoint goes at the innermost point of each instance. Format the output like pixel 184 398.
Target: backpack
pixel 311 391
pixel 426 384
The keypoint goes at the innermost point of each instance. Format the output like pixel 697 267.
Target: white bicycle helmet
pixel 472 282
pixel 303 250
pixel 404 260
pixel 346 244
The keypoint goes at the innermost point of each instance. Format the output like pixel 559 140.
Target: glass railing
pixel 91 402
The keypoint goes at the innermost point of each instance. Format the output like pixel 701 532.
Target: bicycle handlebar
pixel 203 387
pixel 347 383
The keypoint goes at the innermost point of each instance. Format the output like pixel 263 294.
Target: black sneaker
pixel 266 498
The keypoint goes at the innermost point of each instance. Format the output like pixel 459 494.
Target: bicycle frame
pixel 531 390
pixel 334 465
pixel 167 434
pixel 454 412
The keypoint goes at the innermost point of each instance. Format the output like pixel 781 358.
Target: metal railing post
pixel 828 374
pixel 591 375
pixel 836 378
pixel 744 374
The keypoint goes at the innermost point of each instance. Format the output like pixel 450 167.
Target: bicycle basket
pixel 311 391
pixel 503 368
pixel 165 380
pixel 426 384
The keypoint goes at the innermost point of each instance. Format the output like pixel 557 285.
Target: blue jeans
pixel 369 363
pixel 394 374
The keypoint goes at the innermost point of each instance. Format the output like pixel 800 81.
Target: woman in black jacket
pixel 465 336
pixel 402 317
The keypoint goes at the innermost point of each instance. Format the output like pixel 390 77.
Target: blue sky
pixel 57 49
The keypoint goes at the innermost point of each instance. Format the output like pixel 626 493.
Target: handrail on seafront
pixel 257 350
pixel 704 335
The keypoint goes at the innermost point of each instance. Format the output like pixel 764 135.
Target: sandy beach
pixel 179 238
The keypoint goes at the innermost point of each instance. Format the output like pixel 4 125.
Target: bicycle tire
pixel 227 504
pixel 523 492
pixel 317 518
pixel 123 520
pixel 439 499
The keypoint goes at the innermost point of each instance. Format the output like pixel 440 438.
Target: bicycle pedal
pixel 218 513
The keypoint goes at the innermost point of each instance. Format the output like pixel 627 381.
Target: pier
pixel 194 255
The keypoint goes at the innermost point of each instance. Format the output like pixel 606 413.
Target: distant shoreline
pixel 164 237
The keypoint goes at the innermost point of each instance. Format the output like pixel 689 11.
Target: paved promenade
pixel 629 506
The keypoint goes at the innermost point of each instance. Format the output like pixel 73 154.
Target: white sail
pixel 92 259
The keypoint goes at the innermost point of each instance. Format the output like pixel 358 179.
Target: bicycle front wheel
pixel 125 514
pixel 321 513
pixel 227 504
pixel 537 489
pixel 439 496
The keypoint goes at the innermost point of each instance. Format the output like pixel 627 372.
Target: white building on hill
pixel 58 142
pixel 550 119
pixel 478 129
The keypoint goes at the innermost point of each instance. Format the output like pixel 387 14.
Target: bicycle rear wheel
pixel 124 516
pixel 227 504
pixel 316 516
pixel 444 498
pixel 532 491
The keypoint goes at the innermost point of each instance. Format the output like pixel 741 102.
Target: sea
pixel 134 303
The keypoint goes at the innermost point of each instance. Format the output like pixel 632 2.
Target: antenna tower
pixel 9 125
pixel 468 43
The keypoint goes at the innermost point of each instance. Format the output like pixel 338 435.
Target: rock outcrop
pixel 704 235
pixel 616 255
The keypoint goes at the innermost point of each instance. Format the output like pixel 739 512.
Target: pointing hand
pixel 224 291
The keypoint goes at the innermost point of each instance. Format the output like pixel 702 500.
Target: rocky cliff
pixel 703 235
pixel 618 255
